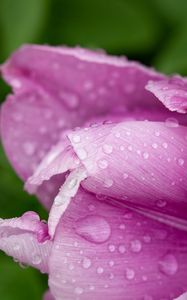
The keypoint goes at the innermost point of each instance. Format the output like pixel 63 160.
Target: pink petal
pixel 103 252
pixel 141 163
pixel 59 88
pixel 171 92
pixel 26 240
pixel 48 296
pixel 182 297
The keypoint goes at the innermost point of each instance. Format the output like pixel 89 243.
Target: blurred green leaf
pixel 14 201
pixel 117 26
pixel 17 283
pixel 21 22
pixel 172 10
pixel 173 57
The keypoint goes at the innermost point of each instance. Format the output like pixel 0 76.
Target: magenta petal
pixel 103 252
pixel 59 88
pixel 143 163
pixel 26 240
pixel 171 92
pixel 48 296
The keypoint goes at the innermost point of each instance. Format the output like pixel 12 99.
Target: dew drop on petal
pixel 161 203
pixel 121 249
pixel 93 228
pixel 125 175
pixel 78 290
pixel 136 246
pixel 171 122
pixel 129 274
pixel 100 270
pixel 108 182
pixel 29 148
pixel 181 161
pixel 168 264
pixel 107 149
pixel 86 263
pixel 103 164
pixel 76 138
pixel 36 259
pixel 145 155
pixel 82 154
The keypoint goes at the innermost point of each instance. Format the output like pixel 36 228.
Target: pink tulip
pixel 103 143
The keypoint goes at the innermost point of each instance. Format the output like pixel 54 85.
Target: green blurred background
pixel 152 31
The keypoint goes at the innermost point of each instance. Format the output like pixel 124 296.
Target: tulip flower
pixel 102 142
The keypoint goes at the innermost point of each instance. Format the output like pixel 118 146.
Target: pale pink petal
pixel 141 163
pixel 103 252
pixel 48 296
pixel 171 92
pixel 58 88
pixel 26 240
pixel 182 297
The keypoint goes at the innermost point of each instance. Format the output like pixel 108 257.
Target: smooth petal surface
pixel 141 163
pixel 171 92
pixel 101 251
pixel 62 88
pixel 26 240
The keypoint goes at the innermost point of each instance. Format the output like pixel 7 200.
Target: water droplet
pixel 82 154
pixel 107 149
pixel 122 226
pixel 136 246
pixel 161 203
pixel 36 259
pixel 147 238
pixel 111 248
pixel 171 122
pixel 88 85
pixel 76 138
pixel 165 145
pixel 117 134
pixel 16 83
pixel 157 133
pixel 122 249
pixel 154 145
pixel 129 148
pixel 130 274
pixel 16 247
pixel 108 183
pixel 70 99
pixel 111 263
pixel 145 155
pixel 100 270
pixel 168 264
pixel 93 228
pixel 91 207
pixel 103 164
pixel 86 263
pixel 181 161
pixel 72 183
pixel 79 290
pixel 29 148
pixel 125 175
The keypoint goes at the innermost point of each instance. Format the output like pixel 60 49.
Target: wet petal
pixel 59 88
pixel 171 92
pixel 141 163
pixel 101 251
pixel 26 240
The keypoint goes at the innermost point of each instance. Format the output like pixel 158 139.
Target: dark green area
pixel 152 31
